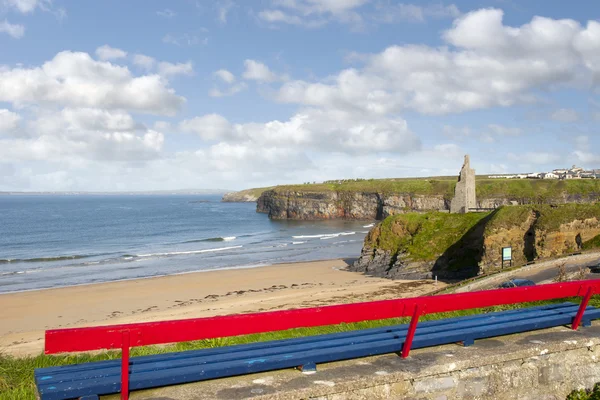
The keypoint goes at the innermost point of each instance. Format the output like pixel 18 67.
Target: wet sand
pixel 24 316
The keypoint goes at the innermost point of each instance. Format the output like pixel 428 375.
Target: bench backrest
pixel 151 333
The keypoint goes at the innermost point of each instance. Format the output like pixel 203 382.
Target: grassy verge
pixel 16 374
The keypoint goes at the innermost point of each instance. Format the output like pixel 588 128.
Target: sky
pixel 120 95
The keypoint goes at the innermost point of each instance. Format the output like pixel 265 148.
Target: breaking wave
pixel 175 253
pixel 214 239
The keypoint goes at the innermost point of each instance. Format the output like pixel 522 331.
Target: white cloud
pixel 208 127
pixel 257 71
pixel 110 53
pixel 565 115
pixel 498 66
pixel 317 129
pixel 80 135
pixel 170 69
pixel 14 30
pixel 144 61
pixel 225 76
pixel 75 79
pixel 587 158
pixel 162 126
pixel 185 39
pixel 230 91
pixel 223 8
pixel 27 6
pixel 391 13
pixel 166 13
pixel 314 13
pixel 8 120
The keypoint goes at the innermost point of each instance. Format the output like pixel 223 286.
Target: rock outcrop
pixel 306 205
pixel 458 246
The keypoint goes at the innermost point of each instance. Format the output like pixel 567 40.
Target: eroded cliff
pixel 458 246
pixel 378 199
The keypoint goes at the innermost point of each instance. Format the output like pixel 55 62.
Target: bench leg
pixel 90 397
pixel 125 366
pixel 586 323
pixel 468 342
pixel 411 331
pixel 581 310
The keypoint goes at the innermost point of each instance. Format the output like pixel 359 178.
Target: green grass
pixel 535 191
pixel 583 394
pixel 423 236
pixel 592 243
pixel 16 374
pixel 255 192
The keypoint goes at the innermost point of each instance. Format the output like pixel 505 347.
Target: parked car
pixel 594 269
pixel 516 283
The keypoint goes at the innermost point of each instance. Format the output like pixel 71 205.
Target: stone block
pixel 435 384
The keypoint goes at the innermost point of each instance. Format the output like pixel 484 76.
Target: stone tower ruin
pixel 464 193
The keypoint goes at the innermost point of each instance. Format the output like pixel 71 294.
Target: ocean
pixel 54 241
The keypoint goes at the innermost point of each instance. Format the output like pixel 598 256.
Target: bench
pixel 89 380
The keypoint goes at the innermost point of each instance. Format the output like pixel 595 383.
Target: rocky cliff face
pixel 349 205
pixel 461 249
pixel 320 205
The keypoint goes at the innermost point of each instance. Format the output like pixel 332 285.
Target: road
pixel 548 274
pixel 541 272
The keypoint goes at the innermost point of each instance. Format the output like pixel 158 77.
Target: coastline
pixel 189 295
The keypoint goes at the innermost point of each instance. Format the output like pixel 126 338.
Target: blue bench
pixel 91 379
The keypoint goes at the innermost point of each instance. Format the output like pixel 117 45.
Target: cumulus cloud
pixel 170 69
pixel 313 129
pixel 110 53
pixel 229 91
pixel 8 120
pixel 223 9
pixel 257 71
pixel 144 61
pixel 75 79
pixel 225 76
pixel 499 66
pixel 82 134
pixel 14 30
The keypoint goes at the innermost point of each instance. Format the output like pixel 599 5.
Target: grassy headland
pixel 525 190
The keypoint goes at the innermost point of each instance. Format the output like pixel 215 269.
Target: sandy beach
pixel 25 315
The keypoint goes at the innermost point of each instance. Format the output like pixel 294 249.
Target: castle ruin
pixel 464 193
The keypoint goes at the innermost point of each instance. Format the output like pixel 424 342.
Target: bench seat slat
pixel 398 333
pixel 424 338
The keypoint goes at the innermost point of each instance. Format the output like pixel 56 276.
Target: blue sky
pixel 148 95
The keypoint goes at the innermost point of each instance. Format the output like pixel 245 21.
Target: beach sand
pixel 25 315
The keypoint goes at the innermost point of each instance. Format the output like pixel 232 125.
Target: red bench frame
pixel 151 333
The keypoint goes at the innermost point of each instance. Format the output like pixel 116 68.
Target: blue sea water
pixel 53 241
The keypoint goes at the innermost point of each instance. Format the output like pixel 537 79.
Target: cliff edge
pixel 378 199
pixel 459 246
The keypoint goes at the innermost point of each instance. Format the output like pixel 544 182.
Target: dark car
pixel 516 283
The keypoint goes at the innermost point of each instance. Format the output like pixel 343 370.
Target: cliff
pixel 378 199
pixel 244 196
pixel 458 246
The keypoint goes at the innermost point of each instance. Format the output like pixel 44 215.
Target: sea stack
pixel 464 193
